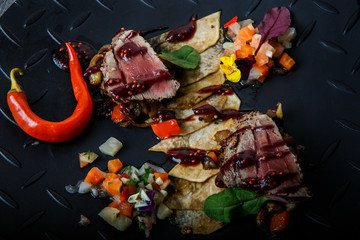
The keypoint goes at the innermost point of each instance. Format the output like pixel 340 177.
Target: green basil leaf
pixel 232 203
pixel 186 57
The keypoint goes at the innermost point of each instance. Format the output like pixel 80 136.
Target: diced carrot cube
pixel 112 183
pixel 263 69
pixel 261 59
pixel 114 165
pixel 94 176
pixel 244 51
pixel 286 61
pixel 163 176
pixel 246 33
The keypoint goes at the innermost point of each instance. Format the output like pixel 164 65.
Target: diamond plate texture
pixel 320 98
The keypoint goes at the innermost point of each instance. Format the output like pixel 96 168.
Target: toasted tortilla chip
pixel 192 173
pixel 189 95
pixel 187 203
pixel 196 221
pixel 189 123
pixel 209 63
pixel 191 195
pixel 232 102
pixel 206 35
pixel 196 122
pixel 201 139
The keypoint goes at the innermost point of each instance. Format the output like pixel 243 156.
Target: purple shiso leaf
pixel 244 65
pixel 150 204
pixel 275 22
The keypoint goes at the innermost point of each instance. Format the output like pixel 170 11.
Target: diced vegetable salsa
pixel 134 193
pixel 264 44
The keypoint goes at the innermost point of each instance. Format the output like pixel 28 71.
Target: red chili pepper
pixel 46 130
pixel 166 129
pixel 231 22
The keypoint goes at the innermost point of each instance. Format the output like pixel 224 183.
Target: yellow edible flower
pixel 228 65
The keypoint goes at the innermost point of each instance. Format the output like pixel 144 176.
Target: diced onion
pixel 149 186
pixel 109 214
pixel 287 45
pixel 84 188
pixel 288 36
pixel 112 217
pixel 89 157
pixel 159 181
pixel 254 74
pixel 245 22
pixel 111 146
pixel 158 198
pixel 164 192
pixel 269 53
pixel 163 211
pixel 153 166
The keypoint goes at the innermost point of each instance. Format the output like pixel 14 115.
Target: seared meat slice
pixel 257 158
pixel 133 71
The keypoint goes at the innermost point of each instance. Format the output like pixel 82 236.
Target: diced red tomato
pixel 116 114
pixel 124 208
pixel 231 22
pixel 166 129
pixel 280 222
pixel 126 192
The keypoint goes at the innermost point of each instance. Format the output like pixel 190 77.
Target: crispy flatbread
pixel 189 95
pixel 193 173
pixel 196 221
pixel 190 123
pixel 209 63
pixel 206 35
pixel 187 203
pixel 201 139
pixel 191 195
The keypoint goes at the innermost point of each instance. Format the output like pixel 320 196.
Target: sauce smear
pixel 217 90
pixel 182 33
pixel 186 156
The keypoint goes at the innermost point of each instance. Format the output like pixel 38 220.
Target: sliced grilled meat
pixel 257 158
pixel 133 71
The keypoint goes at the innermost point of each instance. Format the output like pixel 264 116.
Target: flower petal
pixel 235 76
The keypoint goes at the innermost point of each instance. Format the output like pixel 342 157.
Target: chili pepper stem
pixel 14 85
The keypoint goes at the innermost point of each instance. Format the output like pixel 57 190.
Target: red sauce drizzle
pixel 130 50
pixel 217 90
pixel 184 32
pixel 91 70
pixel 186 156
pixel 223 115
pixel 163 115
pixel 128 89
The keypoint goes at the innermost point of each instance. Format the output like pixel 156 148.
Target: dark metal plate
pixel 320 99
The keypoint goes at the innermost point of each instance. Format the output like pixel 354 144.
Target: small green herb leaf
pixel 146 175
pixel 232 203
pixel 88 153
pixel 186 57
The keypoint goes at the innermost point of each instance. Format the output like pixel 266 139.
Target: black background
pixel 320 98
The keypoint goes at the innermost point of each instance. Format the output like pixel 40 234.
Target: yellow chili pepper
pixel 228 65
